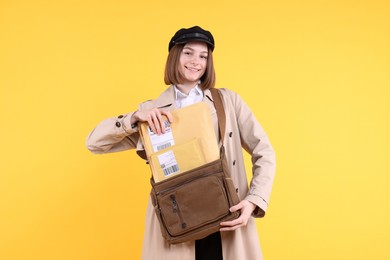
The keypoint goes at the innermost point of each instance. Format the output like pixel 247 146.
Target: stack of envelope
pixel 187 143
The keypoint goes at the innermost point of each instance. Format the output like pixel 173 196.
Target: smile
pixel 192 69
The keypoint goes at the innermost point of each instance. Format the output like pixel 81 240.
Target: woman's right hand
pixel 154 119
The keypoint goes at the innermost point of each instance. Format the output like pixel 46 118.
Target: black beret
pixel 195 33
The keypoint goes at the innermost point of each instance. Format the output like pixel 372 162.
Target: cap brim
pixel 196 40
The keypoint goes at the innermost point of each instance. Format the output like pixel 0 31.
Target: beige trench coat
pixel 242 130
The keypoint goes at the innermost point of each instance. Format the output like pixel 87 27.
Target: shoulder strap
pixel 216 94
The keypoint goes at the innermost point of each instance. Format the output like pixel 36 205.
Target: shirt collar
pixel 195 91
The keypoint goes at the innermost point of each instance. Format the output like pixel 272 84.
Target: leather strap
pixel 216 94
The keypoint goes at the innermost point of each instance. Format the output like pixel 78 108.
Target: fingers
pixel 234 224
pixel 152 119
pixel 246 208
pixel 236 207
pixel 168 115
pixel 156 121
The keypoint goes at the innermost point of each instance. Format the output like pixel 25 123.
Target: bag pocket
pixel 193 204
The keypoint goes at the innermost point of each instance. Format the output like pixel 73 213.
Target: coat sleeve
pixel 255 141
pixel 113 135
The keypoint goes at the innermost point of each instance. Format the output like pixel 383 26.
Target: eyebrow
pixel 194 50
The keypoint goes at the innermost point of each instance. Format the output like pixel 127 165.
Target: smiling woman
pixel 184 56
pixel 190 73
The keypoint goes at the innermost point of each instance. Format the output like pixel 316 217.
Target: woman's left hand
pixel 246 208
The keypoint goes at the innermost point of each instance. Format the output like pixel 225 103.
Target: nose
pixel 195 59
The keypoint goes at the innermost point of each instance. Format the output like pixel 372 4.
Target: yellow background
pixel 316 74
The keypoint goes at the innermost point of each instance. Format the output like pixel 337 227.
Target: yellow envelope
pixel 189 123
pixel 176 159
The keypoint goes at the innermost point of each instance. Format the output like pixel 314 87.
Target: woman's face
pixel 193 62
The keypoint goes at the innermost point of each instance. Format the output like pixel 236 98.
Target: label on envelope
pixel 162 141
pixel 168 163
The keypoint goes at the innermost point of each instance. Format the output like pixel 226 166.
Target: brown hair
pixel 173 76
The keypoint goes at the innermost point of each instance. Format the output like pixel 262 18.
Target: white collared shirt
pixel 183 100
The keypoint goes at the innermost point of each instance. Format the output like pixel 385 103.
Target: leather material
pixel 190 206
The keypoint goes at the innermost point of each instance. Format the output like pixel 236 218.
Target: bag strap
pixel 216 94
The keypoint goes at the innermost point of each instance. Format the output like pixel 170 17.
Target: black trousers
pixel 209 248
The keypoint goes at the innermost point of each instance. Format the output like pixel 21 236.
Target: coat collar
pixel 167 99
pixel 207 94
pixel 208 99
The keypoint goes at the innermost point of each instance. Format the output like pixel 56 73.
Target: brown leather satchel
pixel 192 205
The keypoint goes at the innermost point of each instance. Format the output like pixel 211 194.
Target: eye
pixel 203 57
pixel 187 53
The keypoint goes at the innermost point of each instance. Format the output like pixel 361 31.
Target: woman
pixel 190 73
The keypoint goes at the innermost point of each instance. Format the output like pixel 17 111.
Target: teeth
pixel 193 69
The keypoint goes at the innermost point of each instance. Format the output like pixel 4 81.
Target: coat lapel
pixel 166 100
pixel 208 99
